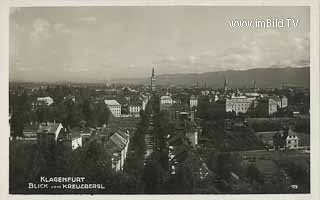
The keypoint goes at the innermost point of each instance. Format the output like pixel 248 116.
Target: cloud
pixel 193 59
pixel 267 49
pixel 263 49
pixel 132 66
pixel 75 70
pixel 61 28
pixel 88 20
pixel 41 29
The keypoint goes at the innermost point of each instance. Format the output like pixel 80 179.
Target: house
pixel 193 101
pixel 49 131
pixel 44 101
pixel 292 140
pixel 284 101
pixel 118 144
pixel 79 136
pixel 74 140
pixel 114 107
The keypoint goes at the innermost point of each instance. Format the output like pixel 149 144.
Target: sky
pixel 105 43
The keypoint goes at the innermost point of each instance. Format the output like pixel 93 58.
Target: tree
pixel 154 175
pixel 254 174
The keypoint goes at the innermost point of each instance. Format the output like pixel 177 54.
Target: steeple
pixel 153 80
pixel 225 84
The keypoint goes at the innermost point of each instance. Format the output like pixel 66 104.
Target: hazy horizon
pixel 79 44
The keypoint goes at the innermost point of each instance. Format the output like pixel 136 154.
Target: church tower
pixel 225 85
pixel 153 81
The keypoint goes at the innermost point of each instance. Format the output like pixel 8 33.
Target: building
pixel 165 102
pixel 70 98
pixel 292 140
pixel 134 110
pixel 145 100
pixel 266 106
pixel 118 144
pixel 114 107
pixel 239 104
pixel 44 101
pixel 153 81
pixel 192 134
pixel 30 132
pixel 284 102
pixel 74 140
pixel 193 101
pixel 49 131
pixel 272 106
pixel 74 136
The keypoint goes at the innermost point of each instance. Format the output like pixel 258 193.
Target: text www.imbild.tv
pixel 264 23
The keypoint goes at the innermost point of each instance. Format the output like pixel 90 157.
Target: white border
pixel 314 89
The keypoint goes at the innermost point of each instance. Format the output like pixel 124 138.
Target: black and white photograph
pixel 159 100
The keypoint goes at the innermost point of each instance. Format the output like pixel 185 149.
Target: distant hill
pixel 265 77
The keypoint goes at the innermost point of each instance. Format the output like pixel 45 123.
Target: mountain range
pixel 264 78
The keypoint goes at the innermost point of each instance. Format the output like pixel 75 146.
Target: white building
pixel 134 110
pixel 193 137
pixel 145 100
pixel 165 102
pixel 284 102
pixel 272 106
pixel 45 101
pixel 193 101
pixel 292 141
pixel 239 104
pixel 114 107
pixel 76 141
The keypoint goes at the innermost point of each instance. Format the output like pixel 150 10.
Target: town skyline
pixel 91 43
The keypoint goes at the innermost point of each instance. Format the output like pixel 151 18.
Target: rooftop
pixel 48 127
pixel 111 102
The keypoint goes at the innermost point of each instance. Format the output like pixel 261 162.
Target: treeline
pixel 30 162
pixel 70 113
